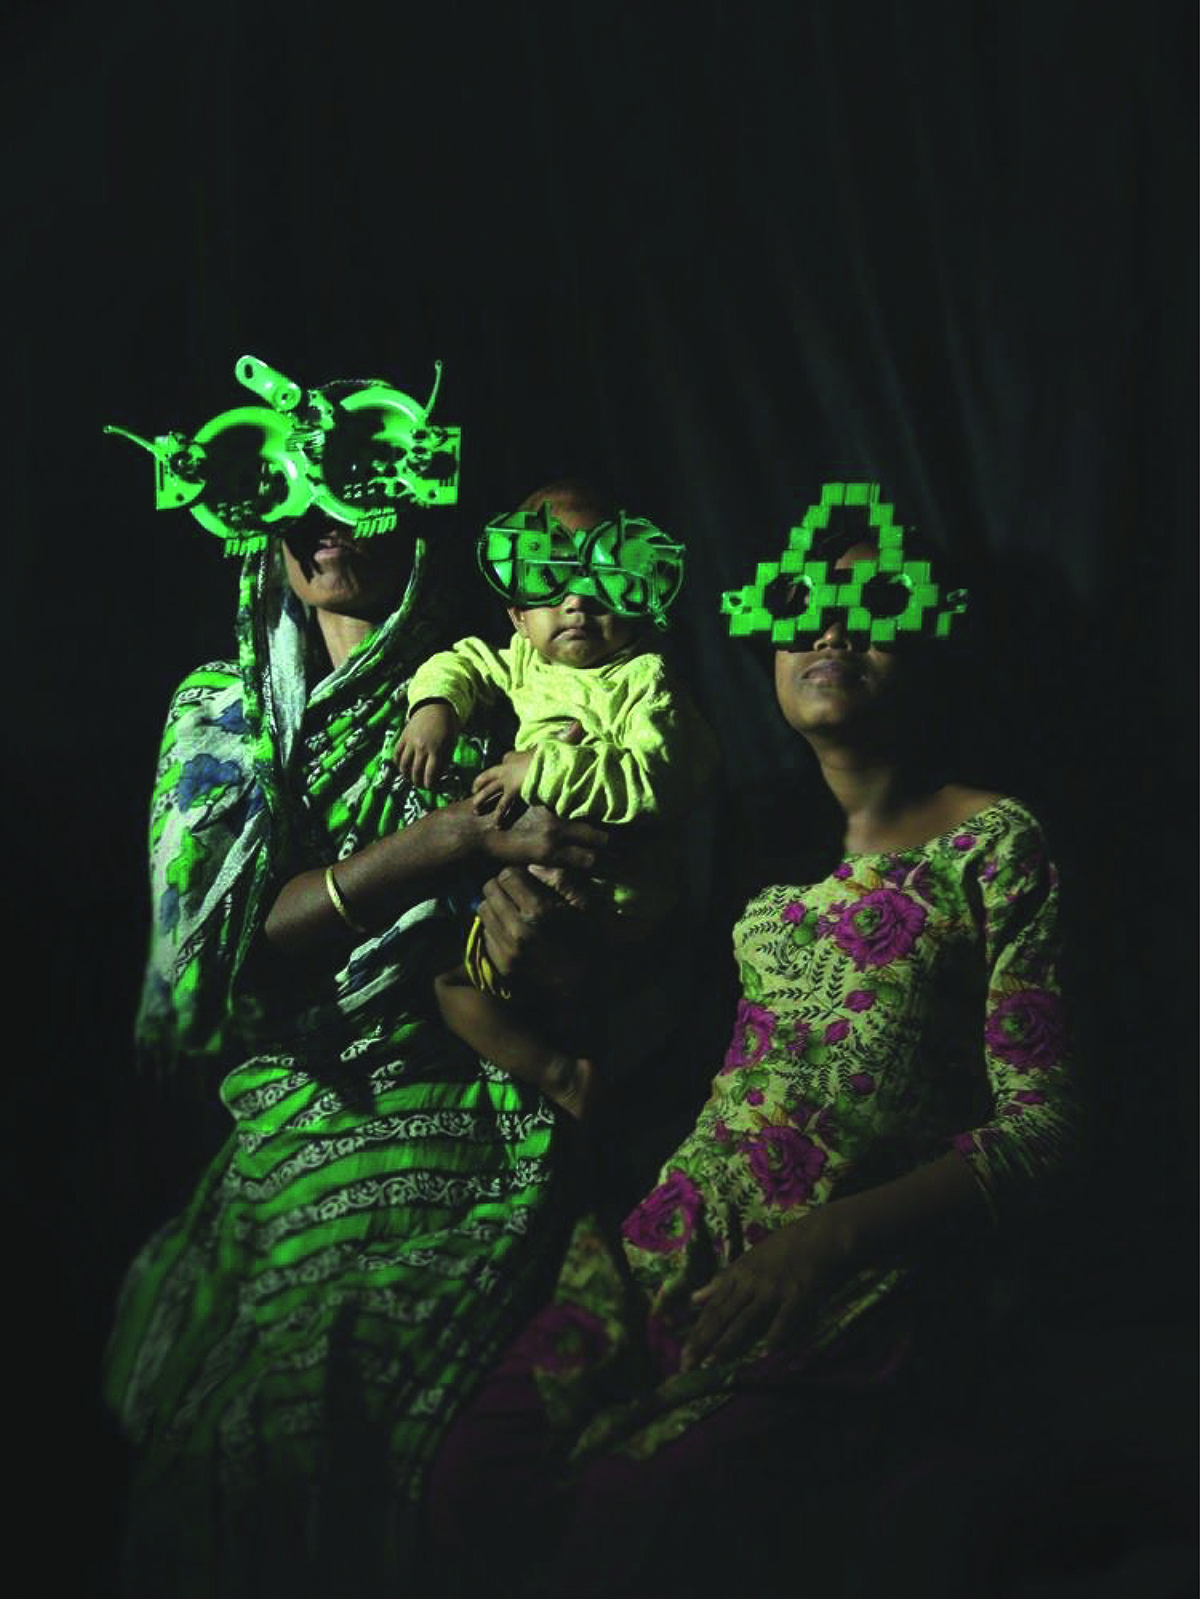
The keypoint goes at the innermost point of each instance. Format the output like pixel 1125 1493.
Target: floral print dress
pixel 906 1005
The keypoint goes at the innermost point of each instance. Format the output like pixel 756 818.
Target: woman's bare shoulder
pixel 956 803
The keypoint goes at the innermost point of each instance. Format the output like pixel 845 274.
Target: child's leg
pixel 495 1030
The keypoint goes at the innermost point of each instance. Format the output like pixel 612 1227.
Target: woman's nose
pixel 833 636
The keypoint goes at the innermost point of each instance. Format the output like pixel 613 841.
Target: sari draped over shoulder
pixel 288 1351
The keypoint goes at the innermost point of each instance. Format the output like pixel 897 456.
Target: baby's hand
pixel 424 748
pixel 499 787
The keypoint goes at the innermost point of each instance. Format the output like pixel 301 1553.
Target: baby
pixel 585 588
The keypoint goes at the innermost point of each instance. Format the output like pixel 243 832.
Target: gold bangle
pixel 339 904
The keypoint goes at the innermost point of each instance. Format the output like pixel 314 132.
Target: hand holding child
pixel 424 748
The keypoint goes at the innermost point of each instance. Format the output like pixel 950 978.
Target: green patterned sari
pixel 288 1351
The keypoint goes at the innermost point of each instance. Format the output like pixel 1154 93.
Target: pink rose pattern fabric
pixel 785 1164
pixel 1027 1029
pixel 666 1218
pixel 753 1029
pixel 564 1337
pixel 879 928
pixel 852 1038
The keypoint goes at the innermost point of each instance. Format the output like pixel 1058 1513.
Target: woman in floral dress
pixel 896 1086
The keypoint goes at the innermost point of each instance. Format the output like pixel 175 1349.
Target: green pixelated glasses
pixel 628 565
pixel 352 450
pixel 879 599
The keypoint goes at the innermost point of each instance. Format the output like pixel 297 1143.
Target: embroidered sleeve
pixel 1029 1133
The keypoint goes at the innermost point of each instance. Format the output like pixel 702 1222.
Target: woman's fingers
pixel 516 895
pixel 572 855
pixel 510 914
pixel 539 835
pixel 738 1333
pixel 718 1300
pixel 785 1321
pixel 498 935
pixel 528 926
pixel 772 1289
pixel 577 844
pixel 566 884
pixel 732 1317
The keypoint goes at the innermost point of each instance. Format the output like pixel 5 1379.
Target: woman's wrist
pixel 907 1215
pixel 443 840
pixel 839 1241
pixel 480 838
pixel 373 886
pixel 849 1238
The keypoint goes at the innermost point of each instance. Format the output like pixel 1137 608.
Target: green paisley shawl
pixel 287 1352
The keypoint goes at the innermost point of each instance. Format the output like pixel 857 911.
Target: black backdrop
pixel 726 253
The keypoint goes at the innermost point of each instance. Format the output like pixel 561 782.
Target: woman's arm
pixel 990 1172
pixel 779 1283
pixel 379 882
pixel 1029 1138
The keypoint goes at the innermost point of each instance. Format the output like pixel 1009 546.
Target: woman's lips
pixel 831 672
pixel 331 548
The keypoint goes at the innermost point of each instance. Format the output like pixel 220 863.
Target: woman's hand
pixel 533 928
pixel 376 883
pixel 774 1288
pixel 424 748
pixel 305 925
pixel 539 837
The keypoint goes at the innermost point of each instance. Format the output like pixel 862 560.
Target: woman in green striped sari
pixel 287 1351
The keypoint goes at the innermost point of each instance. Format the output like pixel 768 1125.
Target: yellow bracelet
pixel 340 906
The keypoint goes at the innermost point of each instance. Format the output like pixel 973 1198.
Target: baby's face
pixel 576 632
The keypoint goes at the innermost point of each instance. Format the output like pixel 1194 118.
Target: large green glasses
pixel 355 451
pixel 880 599
pixel 628 565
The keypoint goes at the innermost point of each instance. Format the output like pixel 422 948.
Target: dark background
pixel 726 253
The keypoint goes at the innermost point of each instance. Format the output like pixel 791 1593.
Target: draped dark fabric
pixel 722 253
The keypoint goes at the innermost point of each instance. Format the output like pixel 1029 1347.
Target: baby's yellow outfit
pixel 645 756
